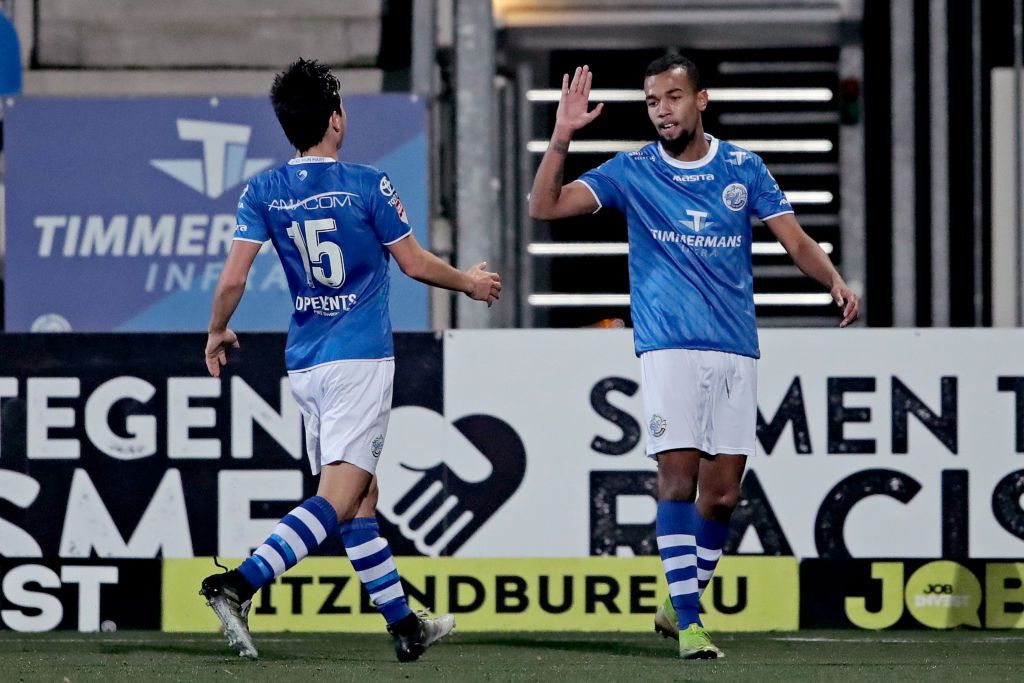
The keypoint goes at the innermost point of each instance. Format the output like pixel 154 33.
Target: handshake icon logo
pixel 441 481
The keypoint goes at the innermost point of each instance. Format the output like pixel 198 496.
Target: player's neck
pixel 695 150
pixel 324 149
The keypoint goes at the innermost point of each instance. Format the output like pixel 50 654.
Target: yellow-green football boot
pixel 665 621
pixel 695 643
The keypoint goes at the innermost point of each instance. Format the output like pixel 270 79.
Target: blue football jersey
pixel 690 273
pixel 331 223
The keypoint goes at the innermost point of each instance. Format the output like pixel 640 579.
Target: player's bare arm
pixel 477 283
pixel 549 198
pixel 815 263
pixel 230 287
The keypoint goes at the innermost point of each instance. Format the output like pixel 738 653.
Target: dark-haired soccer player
pixel 688 200
pixel 334 226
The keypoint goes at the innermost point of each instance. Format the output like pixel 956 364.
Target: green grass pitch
pixel 562 657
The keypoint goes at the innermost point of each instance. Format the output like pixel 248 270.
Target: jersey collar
pixel 712 151
pixel 311 160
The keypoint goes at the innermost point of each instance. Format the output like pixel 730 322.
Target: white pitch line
pixel 867 640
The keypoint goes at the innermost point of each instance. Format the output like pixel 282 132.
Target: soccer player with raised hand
pixel 335 226
pixel 688 199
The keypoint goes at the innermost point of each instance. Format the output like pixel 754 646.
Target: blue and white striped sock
pixel 297 535
pixel 676 527
pixel 711 537
pixel 371 558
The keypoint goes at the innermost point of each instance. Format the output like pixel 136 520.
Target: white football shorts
pixel 699 399
pixel 345 407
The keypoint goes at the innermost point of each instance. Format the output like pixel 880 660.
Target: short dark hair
pixel 304 96
pixel 671 61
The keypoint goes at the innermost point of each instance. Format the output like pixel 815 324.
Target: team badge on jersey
pixel 377 445
pixel 302 174
pixel 657 426
pixel 735 196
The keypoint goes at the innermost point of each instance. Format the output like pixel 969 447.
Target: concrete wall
pixel 199 33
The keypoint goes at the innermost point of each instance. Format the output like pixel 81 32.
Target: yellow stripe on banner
pixel 490 594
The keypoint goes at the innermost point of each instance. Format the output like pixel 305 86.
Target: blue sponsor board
pixel 120 212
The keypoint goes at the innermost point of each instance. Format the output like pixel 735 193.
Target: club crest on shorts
pixel 735 196
pixel 377 445
pixel 657 426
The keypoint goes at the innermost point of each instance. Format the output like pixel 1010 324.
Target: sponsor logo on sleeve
pixel 737 157
pixel 399 208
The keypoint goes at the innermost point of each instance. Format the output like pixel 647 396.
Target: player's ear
pixel 702 99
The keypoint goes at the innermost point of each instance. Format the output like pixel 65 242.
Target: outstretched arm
pixel 815 263
pixel 549 198
pixel 230 287
pixel 419 264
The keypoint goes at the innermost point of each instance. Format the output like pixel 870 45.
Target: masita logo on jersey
pixel 693 178
pixel 224 164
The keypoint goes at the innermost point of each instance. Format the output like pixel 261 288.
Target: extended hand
pixel 572 111
pixel 848 301
pixel 217 344
pixel 485 285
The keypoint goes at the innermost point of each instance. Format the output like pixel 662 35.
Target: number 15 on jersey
pixel 314 252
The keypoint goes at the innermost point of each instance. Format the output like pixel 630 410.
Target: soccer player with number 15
pixel 335 226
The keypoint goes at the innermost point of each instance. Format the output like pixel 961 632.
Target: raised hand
pixel 485 285
pixel 572 111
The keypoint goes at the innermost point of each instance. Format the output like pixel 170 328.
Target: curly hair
pixel 671 61
pixel 304 96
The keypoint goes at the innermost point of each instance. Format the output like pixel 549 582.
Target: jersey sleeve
pixel 606 182
pixel 249 223
pixel 768 200
pixel 390 222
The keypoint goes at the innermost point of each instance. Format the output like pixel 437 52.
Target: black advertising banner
pixel 940 594
pixel 122 446
pixel 84 595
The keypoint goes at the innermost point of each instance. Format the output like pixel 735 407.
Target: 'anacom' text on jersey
pixel 331 223
pixel 690 273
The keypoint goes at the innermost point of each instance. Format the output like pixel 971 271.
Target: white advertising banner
pixel 871 443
